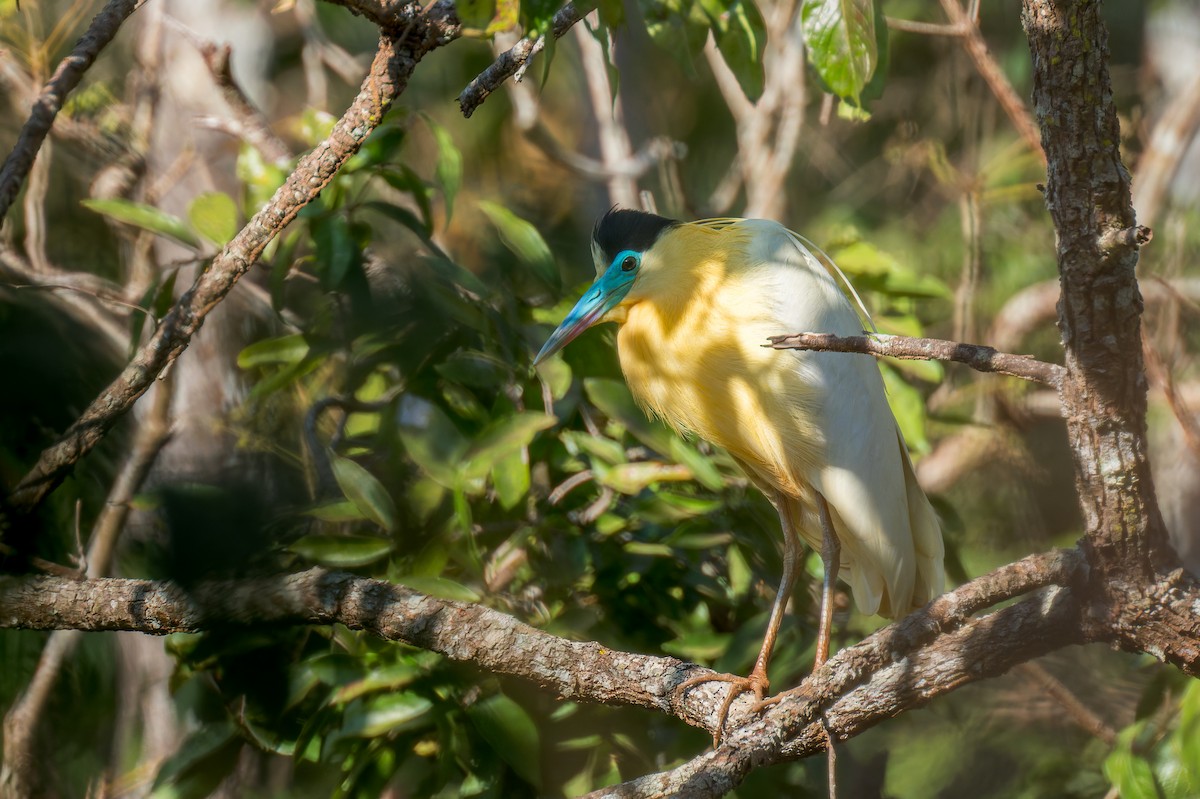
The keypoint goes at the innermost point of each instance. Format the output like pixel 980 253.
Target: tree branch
pixel 976 356
pixel 1099 314
pixel 66 77
pixel 393 65
pixel 514 59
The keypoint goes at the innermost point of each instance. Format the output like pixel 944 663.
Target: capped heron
pixel 695 303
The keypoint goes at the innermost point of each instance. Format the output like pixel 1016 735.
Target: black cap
pixel 623 229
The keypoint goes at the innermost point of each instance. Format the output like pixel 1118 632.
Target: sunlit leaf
pixel 632 478
pixel 214 215
pixel 386 678
pixel 285 349
pixel 840 36
pixel 146 217
pixel 908 406
pixel 341 551
pixel 386 714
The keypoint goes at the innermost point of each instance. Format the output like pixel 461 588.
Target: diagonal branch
pixel 66 77
pixel 393 65
pixel 515 58
pixel 977 356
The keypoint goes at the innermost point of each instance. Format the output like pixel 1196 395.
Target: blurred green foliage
pixel 415 292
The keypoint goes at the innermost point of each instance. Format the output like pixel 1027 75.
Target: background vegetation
pixel 368 403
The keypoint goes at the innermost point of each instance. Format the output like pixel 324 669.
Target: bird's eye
pixel 629 264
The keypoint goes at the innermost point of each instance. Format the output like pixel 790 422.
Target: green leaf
pixel 1130 773
pixel 200 764
pixel 386 714
pixel 474 368
pixel 439 587
pixel 741 35
pixel 632 478
pixel 502 439
pixel 908 406
pixel 507 727
pixel 214 215
pixel 341 551
pixel 431 439
pixel 449 164
pixel 842 47
pixel 475 13
pixel 366 492
pixel 613 398
pixel 387 678
pixel 343 510
pixel 701 467
pixel 337 251
pixel 677 27
pixel 511 478
pixel 524 240
pixel 285 349
pixel 146 217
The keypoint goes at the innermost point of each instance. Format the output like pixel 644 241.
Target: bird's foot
pixel 757 683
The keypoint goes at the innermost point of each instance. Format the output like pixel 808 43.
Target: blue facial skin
pixel 604 295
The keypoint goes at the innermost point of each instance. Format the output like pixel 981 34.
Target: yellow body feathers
pixel 691 340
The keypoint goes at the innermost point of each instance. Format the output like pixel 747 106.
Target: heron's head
pixel 623 250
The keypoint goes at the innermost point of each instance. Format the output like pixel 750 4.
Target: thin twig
pixel 976 356
pixel 994 77
pixel 926 28
pixel 253 122
pixel 509 62
pixel 66 77
pixel 1080 713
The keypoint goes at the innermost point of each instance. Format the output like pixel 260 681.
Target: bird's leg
pixel 757 682
pixel 831 558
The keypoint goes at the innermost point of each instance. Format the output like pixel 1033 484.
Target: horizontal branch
pixel 516 57
pixel 976 356
pixel 492 640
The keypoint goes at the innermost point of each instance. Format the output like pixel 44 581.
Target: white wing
pixel 891 540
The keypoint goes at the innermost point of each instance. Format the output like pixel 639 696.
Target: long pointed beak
pixel 603 295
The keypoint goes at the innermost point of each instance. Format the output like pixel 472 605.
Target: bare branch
pixel 394 62
pixel 514 59
pixel 976 356
pixel 989 70
pixel 65 78
pixel 253 123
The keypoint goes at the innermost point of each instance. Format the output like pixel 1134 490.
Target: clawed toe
pixel 756 683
